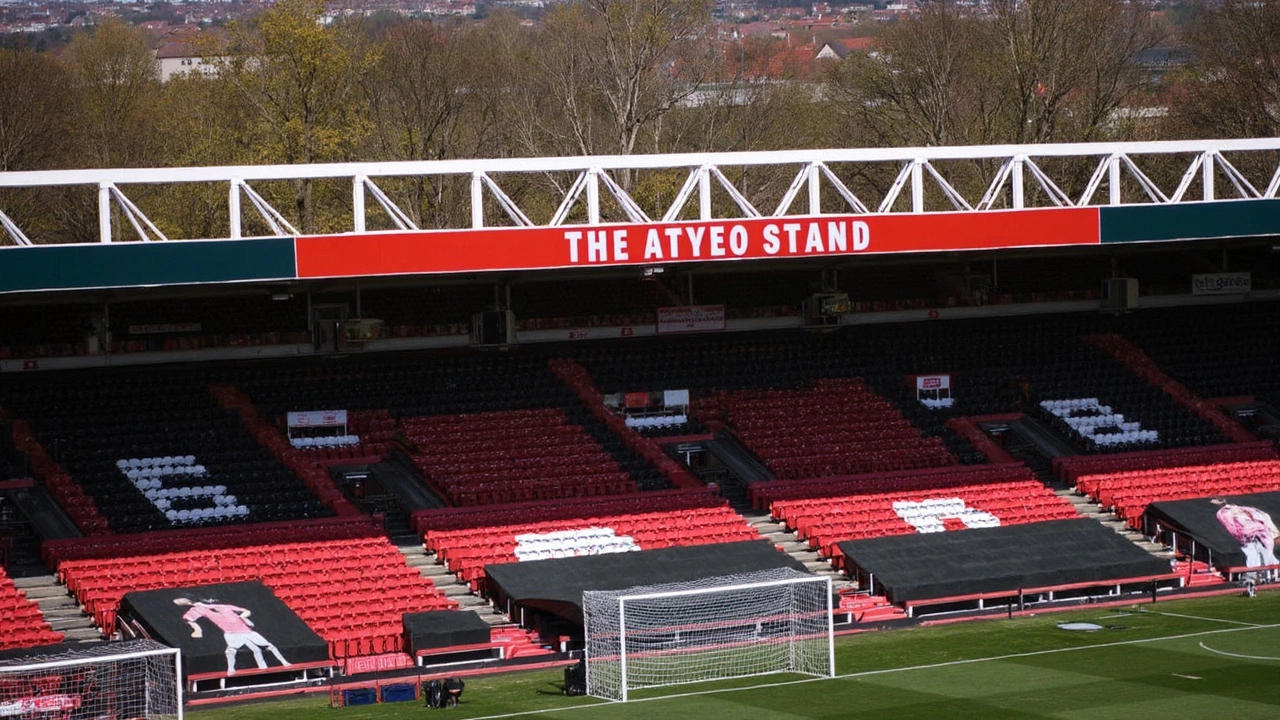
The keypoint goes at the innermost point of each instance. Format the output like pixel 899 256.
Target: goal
pixel 736 626
pixel 122 680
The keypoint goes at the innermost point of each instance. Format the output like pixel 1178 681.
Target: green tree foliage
pixel 300 77
pixel 114 86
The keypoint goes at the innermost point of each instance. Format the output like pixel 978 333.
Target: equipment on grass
pixel 133 679
pixel 757 623
pixel 575 678
pixel 433 693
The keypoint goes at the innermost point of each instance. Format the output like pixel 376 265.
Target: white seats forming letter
pixel 162 479
pixel 926 516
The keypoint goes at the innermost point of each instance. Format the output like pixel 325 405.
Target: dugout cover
pixel 1232 527
pixel 436 629
pixel 999 559
pixel 555 586
pixel 245 618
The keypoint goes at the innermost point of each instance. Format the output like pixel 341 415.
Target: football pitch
pixel 1201 658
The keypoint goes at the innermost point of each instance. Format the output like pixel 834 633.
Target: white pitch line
pixel 869 673
pixel 1237 655
pixel 1206 619
pixel 1189 677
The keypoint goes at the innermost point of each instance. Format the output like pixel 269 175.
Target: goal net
pixel 121 681
pixel 736 626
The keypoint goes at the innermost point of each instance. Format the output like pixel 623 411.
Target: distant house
pixel 177 56
pixel 840 49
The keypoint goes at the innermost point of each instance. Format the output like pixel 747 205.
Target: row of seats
pixel 1129 493
pixel 828 521
pixel 204 540
pixel 466 551
pixel 427 522
pixel 21 623
pixel 1072 467
pixel 764 494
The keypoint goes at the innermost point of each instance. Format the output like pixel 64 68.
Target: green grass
pixel 1153 661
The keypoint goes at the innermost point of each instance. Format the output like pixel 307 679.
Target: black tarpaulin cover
pixel 244 618
pixel 1001 559
pixel 555 586
pixel 1243 513
pixel 443 628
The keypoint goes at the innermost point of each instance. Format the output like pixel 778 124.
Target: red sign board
pixel 443 251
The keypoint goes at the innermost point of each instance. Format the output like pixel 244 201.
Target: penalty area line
pixel 887 671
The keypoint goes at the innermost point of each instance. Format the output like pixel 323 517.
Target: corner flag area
pixel 1211 657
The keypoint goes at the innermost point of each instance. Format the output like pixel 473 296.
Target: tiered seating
pixel 467 551
pixel 459 518
pixel 512 455
pixel 823 522
pixel 763 495
pixel 1070 468
pixel 216 538
pixel 443 383
pixel 21 624
pixel 1217 351
pixel 351 592
pixel 90 422
pixel 192 323
pixel 1129 492
pixel 839 427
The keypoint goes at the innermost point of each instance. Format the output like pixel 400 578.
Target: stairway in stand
pixel 776 533
pixel 59 609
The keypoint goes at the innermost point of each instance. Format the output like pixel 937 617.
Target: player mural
pixel 236 627
pixel 1253 529
pixel 228 629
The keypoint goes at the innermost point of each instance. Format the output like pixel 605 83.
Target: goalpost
pixel 744 625
pixel 121 680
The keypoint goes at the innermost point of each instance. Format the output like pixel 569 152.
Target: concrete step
pixel 53 604
pixel 454 590
pixel 35 581
pixel 81 635
pixel 62 612
pixel 42 592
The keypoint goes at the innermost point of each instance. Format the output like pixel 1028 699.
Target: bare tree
pixel 34 118
pixel 1009 71
pixel 1232 89
pixel 602 71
